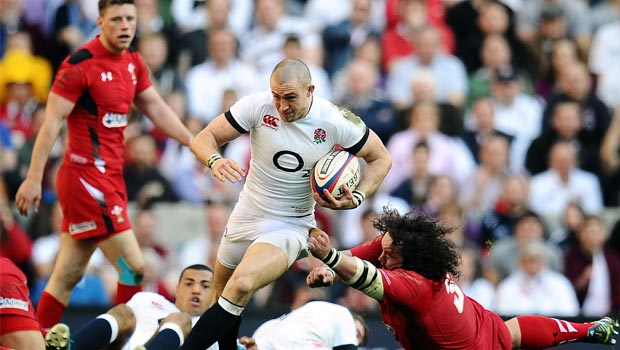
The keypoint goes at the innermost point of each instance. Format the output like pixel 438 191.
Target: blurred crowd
pixel 502 119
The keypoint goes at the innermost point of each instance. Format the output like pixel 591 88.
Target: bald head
pixel 291 70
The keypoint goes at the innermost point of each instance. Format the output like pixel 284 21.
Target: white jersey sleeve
pixel 315 325
pixel 283 153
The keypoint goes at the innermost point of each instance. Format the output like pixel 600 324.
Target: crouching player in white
pixel 313 326
pixel 147 321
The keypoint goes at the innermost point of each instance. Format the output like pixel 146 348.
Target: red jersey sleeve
pixel 369 251
pixel 70 81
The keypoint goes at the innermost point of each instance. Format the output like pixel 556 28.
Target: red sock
pixel 538 332
pixel 124 292
pixel 49 310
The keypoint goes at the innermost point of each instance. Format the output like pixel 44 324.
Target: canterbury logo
pixel 270 120
pixel 106 76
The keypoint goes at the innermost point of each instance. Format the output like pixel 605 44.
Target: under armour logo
pixel 106 76
pixel 270 120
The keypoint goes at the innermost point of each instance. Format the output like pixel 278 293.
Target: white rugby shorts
pixel 288 234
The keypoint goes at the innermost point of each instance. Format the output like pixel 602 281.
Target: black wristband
pixel 332 258
pixel 359 197
pixel 212 159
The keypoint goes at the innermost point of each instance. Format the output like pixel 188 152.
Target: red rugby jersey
pixel 103 87
pixel 427 314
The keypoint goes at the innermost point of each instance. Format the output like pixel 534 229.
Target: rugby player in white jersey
pixel 308 328
pixel 146 321
pixel 290 129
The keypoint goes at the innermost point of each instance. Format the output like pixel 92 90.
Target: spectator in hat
pixel 516 113
pixel 574 13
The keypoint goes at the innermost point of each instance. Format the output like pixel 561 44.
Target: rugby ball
pixel 336 168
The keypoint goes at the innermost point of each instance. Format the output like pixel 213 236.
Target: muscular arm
pixel 56 111
pixel 209 140
pixel 164 118
pixel 378 162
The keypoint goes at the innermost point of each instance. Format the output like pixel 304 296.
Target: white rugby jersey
pixel 315 325
pixel 150 309
pixel 283 153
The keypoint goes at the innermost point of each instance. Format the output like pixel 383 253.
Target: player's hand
pixel 320 277
pixel 29 193
pixel 248 342
pixel 319 243
pixel 227 169
pixel 345 202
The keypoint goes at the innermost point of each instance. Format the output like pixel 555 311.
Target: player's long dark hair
pixel 421 241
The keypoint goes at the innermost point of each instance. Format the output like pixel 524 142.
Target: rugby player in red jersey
pixel 93 92
pixel 411 270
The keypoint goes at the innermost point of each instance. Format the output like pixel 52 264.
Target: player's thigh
pixel 268 257
pixel 28 339
pixel 262 264
pixel 123 245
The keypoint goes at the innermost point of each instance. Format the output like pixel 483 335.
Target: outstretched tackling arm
pixel 357 273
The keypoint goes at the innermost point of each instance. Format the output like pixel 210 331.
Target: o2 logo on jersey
pixel 114 120
pixel 271 121
pixel 288 161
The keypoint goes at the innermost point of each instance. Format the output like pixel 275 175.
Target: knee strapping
pixel 127 275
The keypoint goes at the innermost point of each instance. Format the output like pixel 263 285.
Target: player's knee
pixel 125 318
pixel 129 275
pixel 242 285
pixel 183 320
